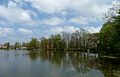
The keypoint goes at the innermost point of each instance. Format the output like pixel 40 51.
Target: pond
pixel 23 63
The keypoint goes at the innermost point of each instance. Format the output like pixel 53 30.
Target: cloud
pixel 84 20
pixel 24 31
pixel 12 4
pixel 70 29
pixel 59 29
pixel 84 6
pixel 94 9
pixel 53 21
pixel 49 6
pixel 6 31
pixel 99 10
pixel 2 22
pixel 14 14
pixel 79 20
pixel 93 29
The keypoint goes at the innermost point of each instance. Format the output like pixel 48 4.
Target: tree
pixel 78 40
pixel 44 44
pixel 106 36
pixel 57 41
pixel 33 44
pixel 7 45
pixel 110 32
pixel 17 45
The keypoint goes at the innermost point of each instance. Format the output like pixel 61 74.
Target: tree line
pixel 79 40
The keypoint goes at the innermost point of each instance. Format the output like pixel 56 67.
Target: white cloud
pixel 83 20
pixel 25 31
pixel 70 29
pixel 89 8
pixel 64 13
pixel 14 14
pixel 49 6
pixel 84 6
pixel 59 29
pixel 53 21
pixel 6 31
pixel 93 29
pixel 98 11
pixel 88 11
pixel 2 23
pixel 80 20
pixel 94 8
pixel 12 4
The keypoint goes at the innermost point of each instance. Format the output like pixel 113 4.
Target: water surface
pixel 23 63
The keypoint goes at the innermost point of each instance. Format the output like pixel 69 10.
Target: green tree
pixel 33 44
pixel 7 45
pixel 17 45
pixel 106 36
pixel 44 44
pixel 110 32
pixel 57 41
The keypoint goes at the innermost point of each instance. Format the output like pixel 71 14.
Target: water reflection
pixel 33 55
pixel 78 62
pixel 71 61
pixel 55 64
pixel 110 67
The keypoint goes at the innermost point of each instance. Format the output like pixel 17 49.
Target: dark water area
pixel 23 63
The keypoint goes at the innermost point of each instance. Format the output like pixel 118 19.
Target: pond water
pixel 23 63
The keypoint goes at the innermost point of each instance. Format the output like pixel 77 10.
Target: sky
pixel 21 20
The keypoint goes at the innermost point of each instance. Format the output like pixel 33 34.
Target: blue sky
pixel 21 20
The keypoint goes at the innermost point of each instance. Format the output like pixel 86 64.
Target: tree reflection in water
pixel 76 62
pixel 33 55
pixel 110 67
